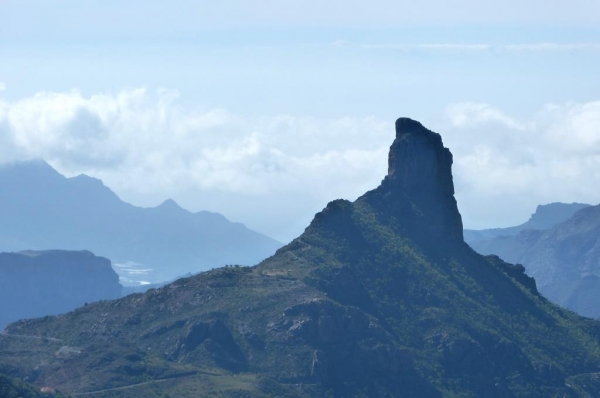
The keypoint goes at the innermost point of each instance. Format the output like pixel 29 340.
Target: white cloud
pixel 554 47
pixel 504 167
pixel 146 145
pixel 468 114
pixel 486 47
pixel 430 47
pixel 275 172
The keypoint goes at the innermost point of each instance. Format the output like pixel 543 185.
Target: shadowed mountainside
pixel 378 297
pixel 35 284
pixel 41 209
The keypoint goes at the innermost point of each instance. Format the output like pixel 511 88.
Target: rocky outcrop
pixel 420 175
pixel 35 284
pixel 215 339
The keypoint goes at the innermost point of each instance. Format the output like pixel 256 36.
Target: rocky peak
pixel 420 172
pixel 418 161
pixel 171 205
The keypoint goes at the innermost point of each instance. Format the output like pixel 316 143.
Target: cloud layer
pixel 547 47
pixel 147 148
pixel 275 172
pixel 505 166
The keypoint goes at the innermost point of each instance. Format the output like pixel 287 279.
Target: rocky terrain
pixel 41 210
pixel 564 257
pixel 35 284
pixel 379 297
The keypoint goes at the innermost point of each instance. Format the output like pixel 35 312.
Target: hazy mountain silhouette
pixel 545 216
pixel 35 284
pixel 40 209
pixel 379 297
pixel 563 257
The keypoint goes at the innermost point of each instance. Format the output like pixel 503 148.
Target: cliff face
pixel 420 176
pixel 35 284
pixel 379 297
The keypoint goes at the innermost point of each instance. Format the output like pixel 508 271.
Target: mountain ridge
pixel 167 238
pixel 378 297
pixel 562 256
pixel 545 216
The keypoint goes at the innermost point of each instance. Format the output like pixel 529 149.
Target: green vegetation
pixel 13 388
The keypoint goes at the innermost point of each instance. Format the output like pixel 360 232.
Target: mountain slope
pixel 378 297
pixel 566 261
pixel 42 209
pixel 564 258
pixel 10 388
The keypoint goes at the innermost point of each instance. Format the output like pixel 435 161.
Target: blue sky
pixel 265 110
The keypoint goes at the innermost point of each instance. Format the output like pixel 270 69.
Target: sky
pixel 264 111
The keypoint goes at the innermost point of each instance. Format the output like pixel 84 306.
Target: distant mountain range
pixel 40 209
pixel 545 216
pixel 379 297
pixel 39 283
pixel 560 247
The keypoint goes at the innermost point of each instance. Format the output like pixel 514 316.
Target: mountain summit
pixel 379 297
pixel 420 174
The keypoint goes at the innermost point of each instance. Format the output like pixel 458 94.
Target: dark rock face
pixel 215 339
pixel 35 284
pixel 418 162
pixel 420 172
